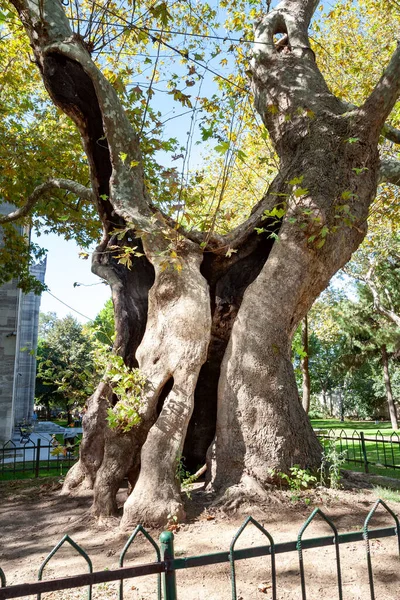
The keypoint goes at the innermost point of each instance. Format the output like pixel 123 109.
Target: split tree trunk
pixel 213 337
pixel 388 386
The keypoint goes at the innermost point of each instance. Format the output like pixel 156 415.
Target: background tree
pixel 345 353
pixel 208 315
pixel 65 371
pixel 369 336
pixel 103 326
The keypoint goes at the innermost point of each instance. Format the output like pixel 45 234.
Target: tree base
pixel 151 510
pixel 76 482
pixel 248 490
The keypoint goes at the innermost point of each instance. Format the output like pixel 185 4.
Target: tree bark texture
pixel 306 384
pixel 213 338
pixel 388 387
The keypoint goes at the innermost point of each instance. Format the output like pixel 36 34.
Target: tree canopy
pixel 181 73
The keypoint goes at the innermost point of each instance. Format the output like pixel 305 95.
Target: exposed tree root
pixel 247 491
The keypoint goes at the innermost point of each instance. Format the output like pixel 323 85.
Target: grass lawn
pixel 60 422
pixel 27 470
pixel 368 427
pixel 378 453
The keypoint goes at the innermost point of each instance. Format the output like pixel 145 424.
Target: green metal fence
pixel 39 459
pixel 30 459
pixel 378 451
pixel 167 565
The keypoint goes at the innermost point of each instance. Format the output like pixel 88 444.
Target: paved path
pixel 20 452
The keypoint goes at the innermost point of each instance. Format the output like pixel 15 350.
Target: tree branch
pixel 389 171
pixel 388 131
pixel 389 314
pixel 63 184
pixel 383 97
pixel 80 89
pixel 391 133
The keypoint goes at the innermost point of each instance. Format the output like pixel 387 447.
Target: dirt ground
pixel 34 517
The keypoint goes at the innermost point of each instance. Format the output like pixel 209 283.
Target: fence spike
pixel 65 539
pixel 2 578
pixel 315 512
pixel 139 529
pixel 232 558
pixel 371 513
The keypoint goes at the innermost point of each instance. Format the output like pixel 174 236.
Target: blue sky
pixel 64 268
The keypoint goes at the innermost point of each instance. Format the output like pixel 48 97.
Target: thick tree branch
pixel 389 171
pixel 388 131
pixel 63 184
pixel 386 312
pixel 382 99
pixel 80 89
pixel 391 133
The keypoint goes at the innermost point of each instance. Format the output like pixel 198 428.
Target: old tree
pixel 211 329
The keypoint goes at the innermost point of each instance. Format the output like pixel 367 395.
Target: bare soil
pixel 34 517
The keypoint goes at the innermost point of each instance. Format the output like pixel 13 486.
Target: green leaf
pixel 347 194
pixel 222 148
pixel 324 231
pixel 300 192
pixel 296 180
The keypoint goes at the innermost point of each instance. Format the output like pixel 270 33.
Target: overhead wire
pixel 68 306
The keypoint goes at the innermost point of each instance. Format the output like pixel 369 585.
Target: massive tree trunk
pixel 213 336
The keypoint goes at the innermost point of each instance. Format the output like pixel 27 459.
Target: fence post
pixel 167 554
pixel 37 465
pixel 364 451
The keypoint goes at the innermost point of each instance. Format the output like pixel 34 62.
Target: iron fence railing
pixel 37 459
pixel 40 458
pixel 360 449
pixel 167 565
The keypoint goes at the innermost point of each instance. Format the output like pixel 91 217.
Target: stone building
pixel 19 321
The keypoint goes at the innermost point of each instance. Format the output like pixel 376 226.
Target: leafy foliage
pixel 103 326
pixel 65 368
pixel 128 385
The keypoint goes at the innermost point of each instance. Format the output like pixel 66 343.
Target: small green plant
pixel 184 477
pixel 172 523
pixel 297 479
pixel 332 461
